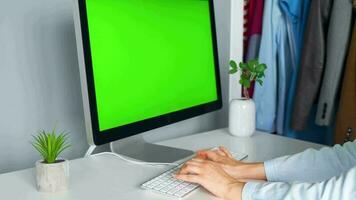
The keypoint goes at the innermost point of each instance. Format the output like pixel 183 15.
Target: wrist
pixel 234 191
pixel 254 171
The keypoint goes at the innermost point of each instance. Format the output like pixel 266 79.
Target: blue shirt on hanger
pixel 296 13
pixel 275 52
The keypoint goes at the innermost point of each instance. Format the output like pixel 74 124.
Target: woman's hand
pixel 212 177
pixel 234 168
pixel 224 158
pixel 220 155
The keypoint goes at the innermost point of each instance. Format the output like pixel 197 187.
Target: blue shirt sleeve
pixel 338 187
pixel 312 165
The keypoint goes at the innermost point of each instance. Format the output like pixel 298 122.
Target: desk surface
pixel 107 177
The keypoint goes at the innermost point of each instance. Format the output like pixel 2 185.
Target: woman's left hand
pixel 212 177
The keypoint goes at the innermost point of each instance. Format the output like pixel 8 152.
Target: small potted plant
pixel 52 172
pixel 242 112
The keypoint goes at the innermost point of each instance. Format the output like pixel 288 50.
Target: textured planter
pixel 242 117
pixel 52 178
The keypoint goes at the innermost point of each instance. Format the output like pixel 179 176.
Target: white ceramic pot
pixel 52 178
pixel 242 117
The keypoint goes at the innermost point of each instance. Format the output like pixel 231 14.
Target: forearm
pixel 249 171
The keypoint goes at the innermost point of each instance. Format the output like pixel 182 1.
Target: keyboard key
pixel 181 193
pixel 165 189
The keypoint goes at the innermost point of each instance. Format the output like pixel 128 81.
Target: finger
pixel 201 154
pixel 185 165
pixel 193 161
pixel 189 178
pixel 190 169
pixel 213 156
pixel 219 152
pixel 226 151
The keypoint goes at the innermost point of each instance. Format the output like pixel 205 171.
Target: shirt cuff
pixel 270 170
pixel 248 190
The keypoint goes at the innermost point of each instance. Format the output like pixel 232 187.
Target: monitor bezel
pixel 102 137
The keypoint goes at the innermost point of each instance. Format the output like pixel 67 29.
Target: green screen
pixel 150 57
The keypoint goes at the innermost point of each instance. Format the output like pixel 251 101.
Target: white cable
pixel 134 161
pixel 90 150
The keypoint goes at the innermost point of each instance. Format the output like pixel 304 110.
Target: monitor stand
pixel 138 149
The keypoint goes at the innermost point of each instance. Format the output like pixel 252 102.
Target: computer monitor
pixel 145 64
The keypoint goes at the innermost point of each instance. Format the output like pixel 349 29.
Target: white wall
pixel 236 44
pixel 39 80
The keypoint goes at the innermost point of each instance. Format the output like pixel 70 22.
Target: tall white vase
pixel 242 117
pixel 52 178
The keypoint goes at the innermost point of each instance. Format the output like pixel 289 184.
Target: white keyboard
pixel 166 185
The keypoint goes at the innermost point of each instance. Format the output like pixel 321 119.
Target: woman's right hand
pixel 236 169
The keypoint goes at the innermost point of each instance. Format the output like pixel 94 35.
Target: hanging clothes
pixel 245 39
pixel 296 13
pixel 275 53
pixel 336 50
pixel 245 25
pixel 312 62
pixel 254 29
pixel 345 128
pixel 253 33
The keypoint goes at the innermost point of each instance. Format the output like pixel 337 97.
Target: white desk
pixel 107 177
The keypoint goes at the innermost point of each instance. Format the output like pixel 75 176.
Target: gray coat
pixel 336 49
pixel 312 62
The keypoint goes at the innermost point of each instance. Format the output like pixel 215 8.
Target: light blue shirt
pixel 328 174
pixel 296 13
pixel 270 98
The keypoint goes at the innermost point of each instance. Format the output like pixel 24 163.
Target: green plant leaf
pixel 245 83
pixel 243 66
pixel 244 76
pixel 261 68
pixel 233 64
pixel 50 145
pixel 252 64
pixel 250 71
pixel 233 71
pixel 241 81
pixel 259 81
